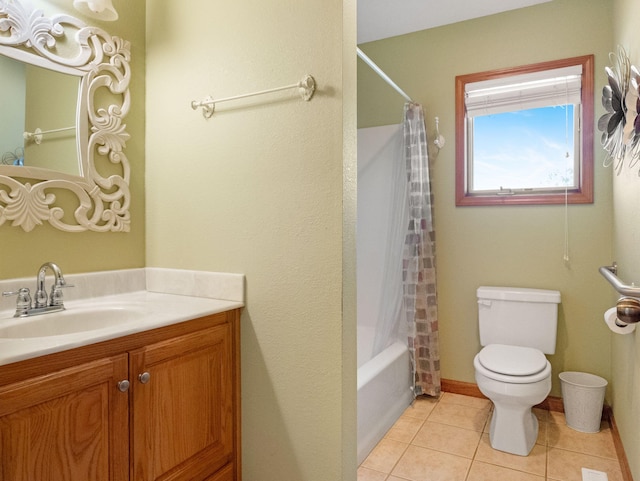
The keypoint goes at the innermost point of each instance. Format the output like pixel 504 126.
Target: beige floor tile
pixel 476 402
pixel 557 417
pixel 365 474
pixel 489 472
pixel 598 444
pixel 441 448
pixel 541 414
pixel 535 463
pixel 421 407
pixel 404 429
pixel 385 455
pixel 466 417
pixel 421 464
pixel 567 465
pixel 449 439
pixel 543 430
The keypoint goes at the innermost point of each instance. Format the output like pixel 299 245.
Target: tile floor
pixel 447 439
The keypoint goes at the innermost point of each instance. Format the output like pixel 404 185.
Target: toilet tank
pixel 519 317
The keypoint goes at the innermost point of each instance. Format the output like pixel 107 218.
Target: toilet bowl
pixel 515 379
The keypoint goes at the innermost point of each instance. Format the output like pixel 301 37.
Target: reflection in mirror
pixel 13 92
pixel 65 94
pixel 38 117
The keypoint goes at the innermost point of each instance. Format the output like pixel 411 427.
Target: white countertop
pixel 152 309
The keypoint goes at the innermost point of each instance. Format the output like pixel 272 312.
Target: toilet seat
pixel 512 364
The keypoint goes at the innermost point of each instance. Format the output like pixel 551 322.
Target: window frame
pixel 583 194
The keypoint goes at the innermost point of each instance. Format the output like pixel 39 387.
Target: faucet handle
pixel 56 298
pixel 24 300
pixel 24 295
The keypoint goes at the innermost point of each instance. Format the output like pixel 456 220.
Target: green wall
pixel 626 215
pixel 22 253
pixel 516 245
pixel 265 187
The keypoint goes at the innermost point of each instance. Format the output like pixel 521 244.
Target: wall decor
pixel 97 198
pixel 620 125
pixel 633 115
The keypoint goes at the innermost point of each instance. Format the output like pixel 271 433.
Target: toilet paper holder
pixel 627 311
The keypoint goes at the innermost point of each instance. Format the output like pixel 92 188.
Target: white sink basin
pixel 91 320
pixel 71 321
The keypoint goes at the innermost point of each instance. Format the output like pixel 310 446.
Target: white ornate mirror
pixel 74 191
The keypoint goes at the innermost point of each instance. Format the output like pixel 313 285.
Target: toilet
pixel 518 327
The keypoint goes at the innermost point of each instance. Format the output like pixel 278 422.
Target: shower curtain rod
pixel 383 75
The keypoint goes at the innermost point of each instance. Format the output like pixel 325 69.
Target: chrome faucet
pixel 56 290
pixel 40 304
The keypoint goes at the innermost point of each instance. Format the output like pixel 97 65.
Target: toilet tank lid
pixel 522 294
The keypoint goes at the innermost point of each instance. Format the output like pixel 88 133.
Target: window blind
pixel 547 88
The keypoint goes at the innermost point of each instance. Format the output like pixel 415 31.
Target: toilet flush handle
pixel 484 302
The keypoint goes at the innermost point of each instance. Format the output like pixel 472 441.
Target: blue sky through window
pixel 524 149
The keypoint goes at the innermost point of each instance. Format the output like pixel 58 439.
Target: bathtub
pixel 384 392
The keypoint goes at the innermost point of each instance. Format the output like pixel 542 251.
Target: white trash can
pixel 583 397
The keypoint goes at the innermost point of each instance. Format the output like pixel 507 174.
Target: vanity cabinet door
pixel 182 407
pixel 69 425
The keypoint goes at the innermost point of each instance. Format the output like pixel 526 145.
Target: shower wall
pixel 378 149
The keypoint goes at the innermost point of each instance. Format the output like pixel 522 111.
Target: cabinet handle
pixel 144 377
pixel 123 386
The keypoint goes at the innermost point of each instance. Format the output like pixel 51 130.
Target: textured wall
pixel 626 199
pixel 258 189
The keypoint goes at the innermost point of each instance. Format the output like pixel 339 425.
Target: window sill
pixel 584 197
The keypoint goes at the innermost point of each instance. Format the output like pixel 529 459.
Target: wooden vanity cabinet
pixel 182 406
pixel 69 425
pixel 178 419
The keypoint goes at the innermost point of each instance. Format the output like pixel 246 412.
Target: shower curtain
pixel 407 307
pixel 418 263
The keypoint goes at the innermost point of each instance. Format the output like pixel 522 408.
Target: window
pixel 524 135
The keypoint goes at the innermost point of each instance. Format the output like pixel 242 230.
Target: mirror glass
pixel 64 88
pixel 31 135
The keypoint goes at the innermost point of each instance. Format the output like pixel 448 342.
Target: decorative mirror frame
pixel 101 62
